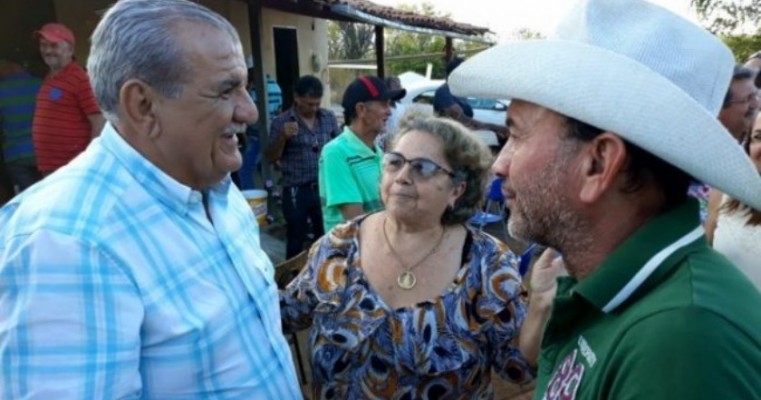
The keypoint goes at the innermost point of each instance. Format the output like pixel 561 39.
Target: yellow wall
pixel 312 37
pixel 18 20
pixel 81 16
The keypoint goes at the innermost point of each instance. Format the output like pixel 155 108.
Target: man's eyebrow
pixel 510 123
pixel 228 84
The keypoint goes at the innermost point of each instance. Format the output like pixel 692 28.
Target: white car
pixel 421 91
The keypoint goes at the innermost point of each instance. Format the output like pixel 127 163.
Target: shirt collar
pixel 359 147
pixel 645 258
pixel 161 186
pixel 291 113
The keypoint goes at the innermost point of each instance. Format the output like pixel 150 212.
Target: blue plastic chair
pixel 525 259
pixel 494 208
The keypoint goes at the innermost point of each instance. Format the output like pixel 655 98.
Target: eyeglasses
pixel 420 168
pixel 751 98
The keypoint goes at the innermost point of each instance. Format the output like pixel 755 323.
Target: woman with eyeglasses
pixel 409 302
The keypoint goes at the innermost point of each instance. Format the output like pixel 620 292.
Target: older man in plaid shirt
pixel 135 271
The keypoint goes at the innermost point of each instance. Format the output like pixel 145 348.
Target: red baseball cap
pixel 55 32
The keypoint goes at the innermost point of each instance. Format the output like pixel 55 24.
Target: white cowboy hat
pixel 632 68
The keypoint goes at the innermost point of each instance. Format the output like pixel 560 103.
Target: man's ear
pixel 139 101
pixel 359 109
pixel 604 160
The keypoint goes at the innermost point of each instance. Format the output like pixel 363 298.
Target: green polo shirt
pixel 349 173
pixel 663 317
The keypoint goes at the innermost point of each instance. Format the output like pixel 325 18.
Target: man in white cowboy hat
pixel 597 166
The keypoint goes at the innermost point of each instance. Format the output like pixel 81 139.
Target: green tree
pixel 727 17
pixel 353 41
pixel 421 49
pixel 349 40
pixel 743 45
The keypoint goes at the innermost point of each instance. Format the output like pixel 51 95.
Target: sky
pixel 504 17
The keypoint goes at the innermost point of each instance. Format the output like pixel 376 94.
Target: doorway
pixel 286 62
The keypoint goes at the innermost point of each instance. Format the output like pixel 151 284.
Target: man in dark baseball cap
pixel 350 164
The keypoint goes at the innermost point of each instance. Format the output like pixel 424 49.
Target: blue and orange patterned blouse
pixel 444 348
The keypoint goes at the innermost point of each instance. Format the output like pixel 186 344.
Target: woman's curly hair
pixel 469 157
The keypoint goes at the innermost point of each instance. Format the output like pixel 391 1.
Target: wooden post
pixel 448 49
pixel 255 32
pixel 379 51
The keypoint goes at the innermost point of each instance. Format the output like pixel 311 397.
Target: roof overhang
pixel 361 16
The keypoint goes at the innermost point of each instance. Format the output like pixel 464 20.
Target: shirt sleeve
pixel 685 353
pixel 334 129
pixel 86 97
pixel 505 308
pixel 71 321
pixel 340 186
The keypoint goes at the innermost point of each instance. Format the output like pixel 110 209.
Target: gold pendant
pixel 406 280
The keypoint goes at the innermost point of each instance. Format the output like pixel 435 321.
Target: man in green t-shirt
pixel 350 164
pixel 600 155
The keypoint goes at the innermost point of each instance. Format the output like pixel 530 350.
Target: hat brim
pixel 619 95
pixel 52 38
pixel 397 94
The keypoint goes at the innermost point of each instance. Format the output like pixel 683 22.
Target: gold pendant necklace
pixel 407 279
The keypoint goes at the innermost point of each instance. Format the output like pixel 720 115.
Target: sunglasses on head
pixel 420 168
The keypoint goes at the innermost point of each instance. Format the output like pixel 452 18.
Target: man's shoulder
pixel 442 90
pixel 74 201
pixel 325 113
pixel 339 145
pixel 283 117
pixel 708 289
pixel 72 78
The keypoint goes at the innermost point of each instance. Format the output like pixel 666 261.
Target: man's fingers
pixel 545 260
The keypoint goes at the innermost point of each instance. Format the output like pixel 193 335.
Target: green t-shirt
pixel 663 317
pixel 349 173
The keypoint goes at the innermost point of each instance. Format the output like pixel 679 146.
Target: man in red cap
pixel 67 116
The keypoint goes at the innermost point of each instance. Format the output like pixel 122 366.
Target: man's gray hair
pixel 135 40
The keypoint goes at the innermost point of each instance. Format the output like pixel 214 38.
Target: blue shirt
pixel 274 97
pixel 18 93
pixel 115 284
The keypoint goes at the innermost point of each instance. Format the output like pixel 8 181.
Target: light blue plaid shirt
pixel 114 284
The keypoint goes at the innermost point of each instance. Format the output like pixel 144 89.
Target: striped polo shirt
pixel 349 173
pixel 17 95
pixel 61 128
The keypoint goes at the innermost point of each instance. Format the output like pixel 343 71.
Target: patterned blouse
pixel 444 348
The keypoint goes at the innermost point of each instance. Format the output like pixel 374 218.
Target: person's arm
pixel 96 122
pixel 714 204
pixel 351 210
pixel 88 105
pixel 541 291
pixel 70 321
pixel 281 130
pixel 301 296
pixel 338 185
pixel 504 309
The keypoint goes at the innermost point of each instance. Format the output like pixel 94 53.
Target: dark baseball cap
pixel 369 88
